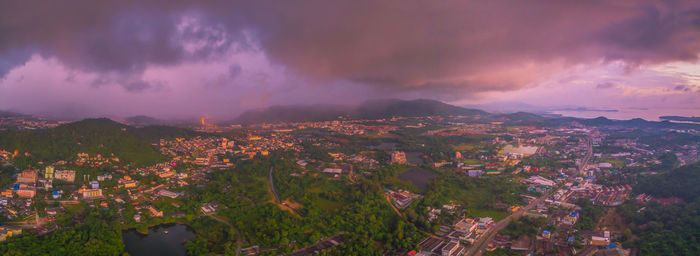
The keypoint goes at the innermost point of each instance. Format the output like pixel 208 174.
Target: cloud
pixel 446 49
pixel 605 85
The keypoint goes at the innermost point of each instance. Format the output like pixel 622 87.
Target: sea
pixel 626 114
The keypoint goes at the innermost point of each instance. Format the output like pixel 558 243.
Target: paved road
pixel 480 245
pixel 238 233
pixel 272 187
pixel 588 156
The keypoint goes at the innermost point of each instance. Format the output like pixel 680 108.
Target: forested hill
pixel 372 109
pixel 103 136
pixel 667 229
pixel 683 182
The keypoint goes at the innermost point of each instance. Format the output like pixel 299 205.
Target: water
pixel 626 114
pixel 157 243
pixel 418 177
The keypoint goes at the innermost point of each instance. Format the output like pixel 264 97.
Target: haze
pixel 183 59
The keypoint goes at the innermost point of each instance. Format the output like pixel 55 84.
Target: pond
pixel 157 242
pixel 418 177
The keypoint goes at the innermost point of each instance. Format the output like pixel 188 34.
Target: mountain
pixel 143 121
pixel 294 113
pixel 681 118
pixel 92 136
pixel 372 109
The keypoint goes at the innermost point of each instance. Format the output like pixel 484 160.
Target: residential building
pixel 398 157
pixel 91 193
pixel 48 172
pixel 65 175
pixel 27 176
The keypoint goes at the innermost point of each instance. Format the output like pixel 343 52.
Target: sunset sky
pixel 181 59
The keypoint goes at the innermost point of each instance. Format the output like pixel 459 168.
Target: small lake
pixel 418 177
pixel 157 242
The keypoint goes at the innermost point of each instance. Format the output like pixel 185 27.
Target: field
pixel 495 214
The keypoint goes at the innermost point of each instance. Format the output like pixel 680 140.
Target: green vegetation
pixel 92 136
pixel 98 235
pixel 667 229
pixel 525 226
pixel 589 215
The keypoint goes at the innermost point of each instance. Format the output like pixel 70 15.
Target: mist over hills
pixel 372 109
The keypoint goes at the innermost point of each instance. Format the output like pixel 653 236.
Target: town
pixel 458 185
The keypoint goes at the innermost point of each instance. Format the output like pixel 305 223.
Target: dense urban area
pixel 478 184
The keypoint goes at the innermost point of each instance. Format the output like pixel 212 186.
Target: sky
pixel 186 59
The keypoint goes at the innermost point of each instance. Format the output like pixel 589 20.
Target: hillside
pixel 92 136
pixel 372 109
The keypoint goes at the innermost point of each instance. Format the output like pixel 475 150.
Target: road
pixel 272 187
pixel 480 245
pixel 589 155
pixel 238 233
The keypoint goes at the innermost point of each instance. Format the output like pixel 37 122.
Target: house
pixel 485 222
pixel 522 244
pixel 91 193
pixel 474 173
pixel 94 184
pixel 9 231
pixel 68 176
pixel 168 193
pixel 451 248
pixel 398 157
pixel 466 225
pixel 333 170
pixel 25 190
pixel 154 212
pixel 571 218
pixel 27 176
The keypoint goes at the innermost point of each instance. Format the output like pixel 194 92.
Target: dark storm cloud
pixel 465 46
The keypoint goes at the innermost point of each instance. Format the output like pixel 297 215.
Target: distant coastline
pixel 584 109
pixel 681 118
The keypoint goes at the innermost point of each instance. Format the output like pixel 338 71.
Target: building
pixel 8 231
pixel 154 212
pixel 48 172
pixel 65 175
pixel 333 170
pixel 168 193
pixel 522 244
pixel 25 190
pixel 450 248
pixel 94 184
pixel 539 181
pixel 398 157
pixel 104 177
pixel 484 222
pixel 57 194
pixel 27 176
pixel 571 218
pixel 475 173
pixel 91 193
pixel 466 225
